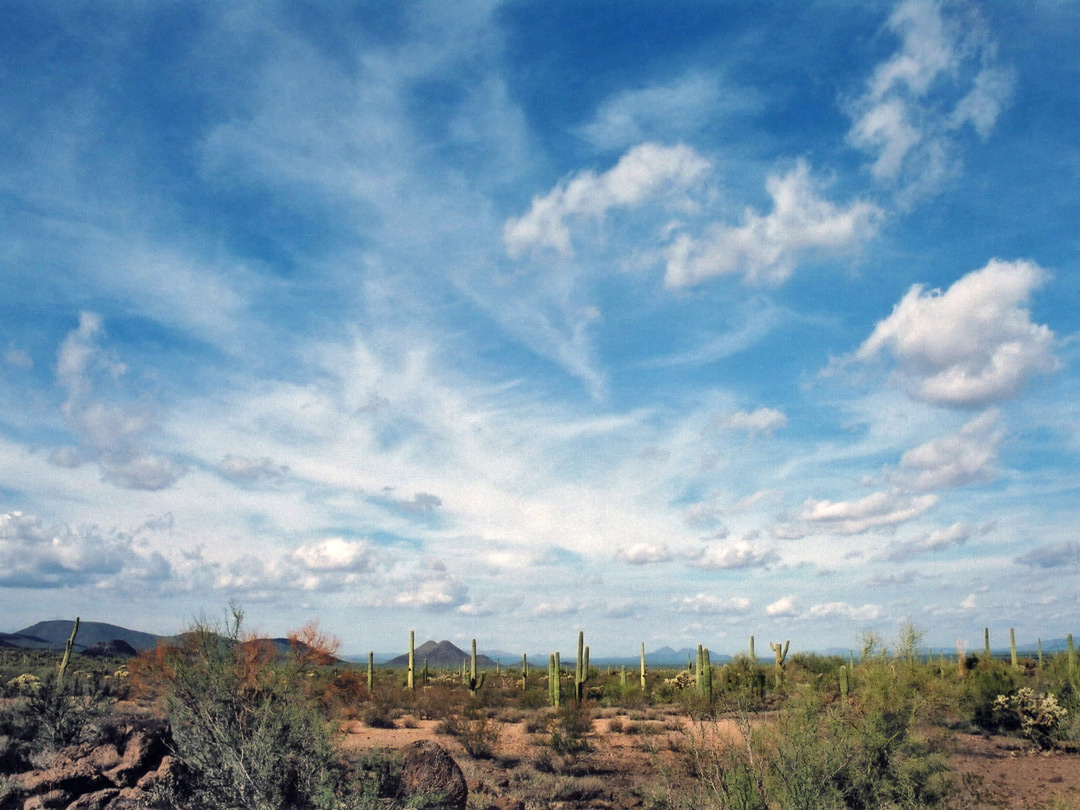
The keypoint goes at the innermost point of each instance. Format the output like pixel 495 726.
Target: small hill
pixel 55 635
pixel 25 641
pixel 440 654
pixel 110 649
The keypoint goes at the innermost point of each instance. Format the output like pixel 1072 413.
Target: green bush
pixel 247 729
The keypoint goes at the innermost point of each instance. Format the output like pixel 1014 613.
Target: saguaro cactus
pixel 704 673
pixel 410 678
pixel 1012 648
pixel 524 672
pixel 753 655
pixel 555 679
pixel 780 651
pixel 845 684
pixel 986 644
pixel 474 681
pixel 643 667
pixel 371 671
pixel 582 672
pixel 67 650
pixel 1072 655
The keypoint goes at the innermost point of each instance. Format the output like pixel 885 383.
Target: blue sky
pixel 673 322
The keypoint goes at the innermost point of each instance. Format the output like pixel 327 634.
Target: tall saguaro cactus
pixel 474 681
pixel 644 669
pixel 555 679
pixel 1012 648
pixel 704 673
pixel 524 672
pixel 753 655
pixel 780 651
pixel 582 673
pixel 410 678
pixel 1072 655
pixel 371 671
pixel 986 644
pixel 67 650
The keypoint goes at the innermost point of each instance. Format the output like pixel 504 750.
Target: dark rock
pixel 72 771
pixel 117 648
pixel 142 753
pixel 428 770
pixel 98 800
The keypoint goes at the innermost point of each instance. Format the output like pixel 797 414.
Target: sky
pixel 672 322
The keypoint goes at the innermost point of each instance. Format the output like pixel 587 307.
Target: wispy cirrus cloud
pixel 943 76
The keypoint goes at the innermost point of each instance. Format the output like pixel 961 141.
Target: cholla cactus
pixel 684 680
pixel 1038 715
pixel 25 683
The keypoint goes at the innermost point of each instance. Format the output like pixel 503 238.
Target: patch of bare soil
pixel 623 770
pixel 1002 772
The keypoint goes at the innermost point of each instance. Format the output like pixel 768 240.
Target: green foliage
pixel 49 713
pixel 980 690
pixel 477 732
pixel 246 729
pixel 1037 716
pixel 570 728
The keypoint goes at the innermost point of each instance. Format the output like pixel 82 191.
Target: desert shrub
pixel 50 713
pixel 570 728
pixel 379 715
pixel 1037 716
pixel 245 726
pixel 978 691
pixel 475 730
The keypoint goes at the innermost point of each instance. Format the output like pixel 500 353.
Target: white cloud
pixel 33 555
pixel 1063 554
pixel 644 553
pixel 973 344
pixel 708 604
pixel 644 173
pixel 964 457
pixel 335 554
pixel 659 111
pixel 761 420
pixel 111 434
pixel 784 606
pixel 17 357
pixel 435 594
pixel 936 541
pixel 242 468
pixel 879 510
pixel 969 602
pixel 766 248
pixel 942 77
pixel 842 609
pixel 739 554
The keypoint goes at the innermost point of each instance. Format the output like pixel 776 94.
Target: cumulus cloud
pixel 972 345
pixel 242 468
pixel 842 609
pixel 1063 554
pixel 964 457
pixel 761 420
pixel 943 76
pixel 713 605
pixel 739 554
pixel 879 510
pixel 33 555
pixel 784 606
pixel 335 554
pixel 703 515
pixel 644 553
pixel 646 172
pixel 766 248
pixel 936 541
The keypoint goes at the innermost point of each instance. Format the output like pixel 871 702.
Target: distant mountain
pixel 440 654
pixel 25 641
pixel 54 635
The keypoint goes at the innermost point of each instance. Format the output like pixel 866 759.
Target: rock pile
pixel 122 774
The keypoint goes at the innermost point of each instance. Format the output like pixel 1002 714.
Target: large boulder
pixel 428 770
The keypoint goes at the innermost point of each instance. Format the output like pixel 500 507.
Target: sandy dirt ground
pixel 626 770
